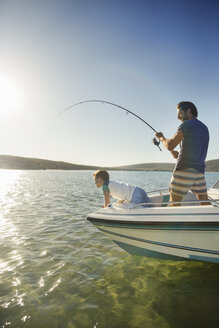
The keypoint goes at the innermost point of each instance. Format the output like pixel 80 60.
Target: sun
pixel 10 97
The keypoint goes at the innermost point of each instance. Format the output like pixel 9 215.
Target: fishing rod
pixel 155 141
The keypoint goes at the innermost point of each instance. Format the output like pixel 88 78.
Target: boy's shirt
pixel 119 190
pixel 105 187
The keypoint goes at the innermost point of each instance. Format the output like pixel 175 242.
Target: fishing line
pixel 155 141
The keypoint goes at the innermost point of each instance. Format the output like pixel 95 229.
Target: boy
pixel 119 190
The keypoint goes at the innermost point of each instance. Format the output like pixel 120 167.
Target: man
pixel 190 167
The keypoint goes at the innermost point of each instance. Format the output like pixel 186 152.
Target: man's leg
pixel 180 183
pixel 199 188
pixel 203 197
pixel 175 198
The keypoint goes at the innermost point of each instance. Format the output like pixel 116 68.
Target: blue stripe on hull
pixel 134 250
pixel 204 258
pixel 157 243
pixel 156 226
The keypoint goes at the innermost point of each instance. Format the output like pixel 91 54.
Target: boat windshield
pixel 216 186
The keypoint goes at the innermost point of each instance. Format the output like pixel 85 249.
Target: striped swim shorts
pixel 182 181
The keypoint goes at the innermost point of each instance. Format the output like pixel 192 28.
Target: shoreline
pixel 9 162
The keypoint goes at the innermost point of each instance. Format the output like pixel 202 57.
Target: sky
pixel 143 55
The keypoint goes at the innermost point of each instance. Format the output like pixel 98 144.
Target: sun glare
pixel 10 97
pixel 8 179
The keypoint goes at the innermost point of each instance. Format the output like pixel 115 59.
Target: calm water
pixel 57 270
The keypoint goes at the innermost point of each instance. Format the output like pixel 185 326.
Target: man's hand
pixel 175 153
pixel 159 135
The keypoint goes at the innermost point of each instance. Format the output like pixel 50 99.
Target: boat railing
pixel 164 204
pixel 216 186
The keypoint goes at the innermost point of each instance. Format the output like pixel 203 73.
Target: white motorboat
pixel 187 232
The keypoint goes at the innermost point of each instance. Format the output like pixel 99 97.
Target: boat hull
pixel 169 243
pixel 179 233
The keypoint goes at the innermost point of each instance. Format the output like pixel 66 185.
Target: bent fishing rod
pixel 155 141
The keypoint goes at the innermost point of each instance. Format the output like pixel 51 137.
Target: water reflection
pixel 57 270
pixel 8 179
pixel 10 239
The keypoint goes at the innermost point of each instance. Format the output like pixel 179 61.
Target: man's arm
pixel 170 144
pixel 174 153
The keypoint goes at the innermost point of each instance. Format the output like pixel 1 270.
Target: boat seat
pixel 166 199
pixel 160 199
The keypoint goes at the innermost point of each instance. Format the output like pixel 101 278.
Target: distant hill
pixel 211 166
pixel 146 167
pixel 26 163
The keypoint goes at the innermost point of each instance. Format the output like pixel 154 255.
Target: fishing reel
pixel 156 143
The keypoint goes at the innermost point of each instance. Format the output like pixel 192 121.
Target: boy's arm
pixel 106 198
